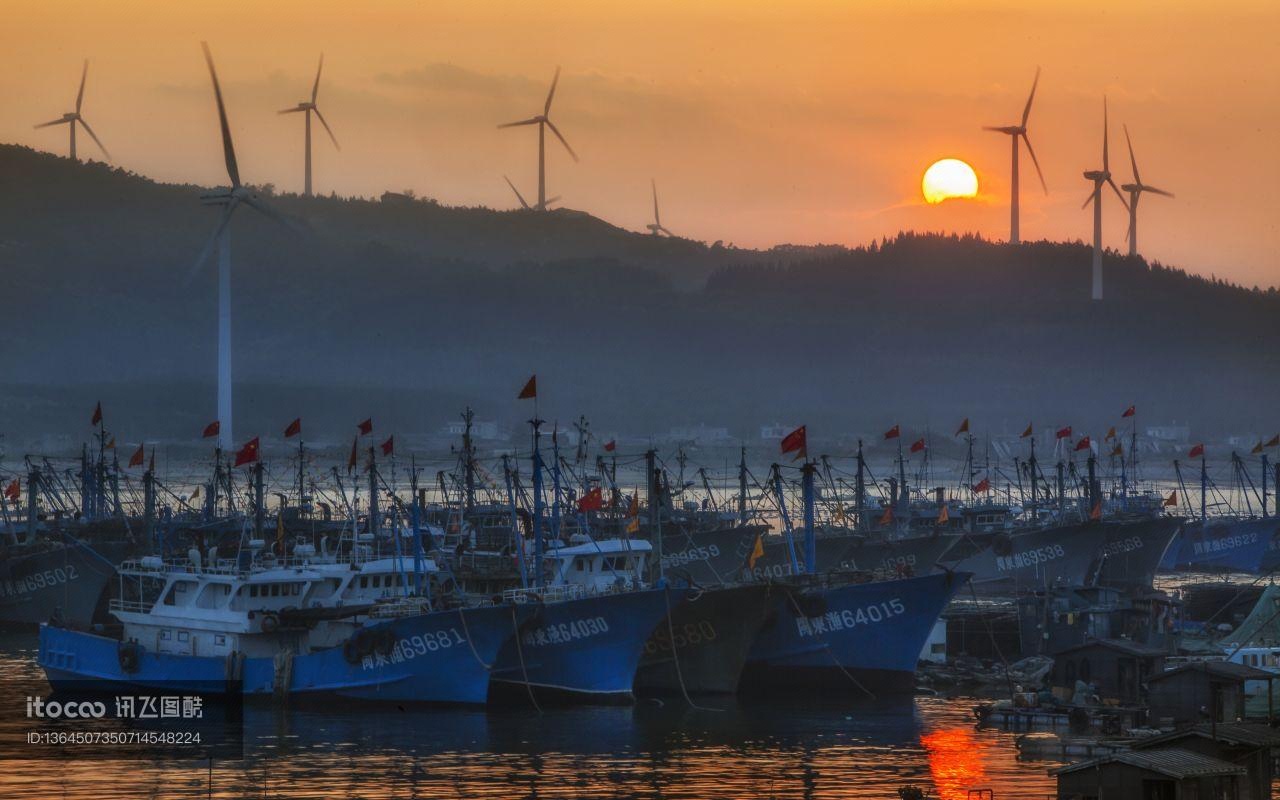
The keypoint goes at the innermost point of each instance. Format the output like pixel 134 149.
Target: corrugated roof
pixel 1249 734
pixel 1173 762
pixel 1218 669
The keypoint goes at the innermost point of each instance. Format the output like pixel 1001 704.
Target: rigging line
pixel 524 671
pixel 675 655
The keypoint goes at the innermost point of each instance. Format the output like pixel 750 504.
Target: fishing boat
pixel 276 629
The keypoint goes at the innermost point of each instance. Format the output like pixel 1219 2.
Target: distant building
pixel 1248 745
pixel 1174 433
pixel 481 431
pixel 775 432
pixel 701 435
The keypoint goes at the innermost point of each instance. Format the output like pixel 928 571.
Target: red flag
pixel 1172 499
pixel 13 491
pixel 1096 513
pixel 1274 441
pixel 591 501
pixel 1064 433
pixel 530 389
pixel 1083 444
pixel 294 428
pixel 247 454
pixel 1027 433
pixel 796 442
pixel 97 414
pixel 1196 451
pixel 138 455
pixel 1111 434
pixel 1257 448
pixel 1129 412
pixel 892 433
pixel 610 445
pixel 351 462
pixel 982 486
pixel 212 429
pixel 887 517
pixel 151 467
pixel 917 445
pixel 964 427
pixel 389 446
pixel 366 427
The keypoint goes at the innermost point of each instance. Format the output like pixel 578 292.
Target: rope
pixel 827 647
pixel 675 655
pixel 472 644
pixel 524 671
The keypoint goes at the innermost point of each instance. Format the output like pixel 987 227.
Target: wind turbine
pixel 543 122
pixel 309 106
pixel 1100 177
pixel 230 199
pixel 520 197
pixel 72 117
pixel 1015 132
pixel 656 226
pixel 1135 191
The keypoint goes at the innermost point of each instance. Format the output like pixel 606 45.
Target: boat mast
pixel 258 509
pixel 655 517
pixel 786 518
pixel 469 462
pixel 373 494
pixel 517 539
pixel 555 484
pixel 810 544
pixel 538 505
pixel 303 505
pixel 415 519
pixel 1035 477
pixel 860 490
pixel 742 487
pixel 1204 487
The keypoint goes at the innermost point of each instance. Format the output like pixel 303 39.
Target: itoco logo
pixel 37 707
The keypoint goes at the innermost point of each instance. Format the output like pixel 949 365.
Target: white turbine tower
pixel 72 117
pixel 229 199
pixel 543 122
pixel 656 227
pixel 1100 177
pixel 520 197
pixel 309 106
pixel 1015 132
pixel 1135 191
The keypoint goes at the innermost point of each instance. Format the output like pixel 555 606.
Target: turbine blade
pixel 657 220
pixel 556 131
pixel 1026 112
pixel 51 122
pixel 519 196
pixel 994 128
pixel 667 232
pixel 547 108
pixel 228 149
pixel 213 241
pixel 1132 161
pixel 1106 163
pixel 1118 193
pixel 327 129
pixel 315 89
pixel 292 223
pixel 1032 153
pixel 551 200
pixel 80 94
pixel 1088 199
pixel 1128 234
pixel 529 121
pixel 293 110
pixel 95 138
pixel 1157 191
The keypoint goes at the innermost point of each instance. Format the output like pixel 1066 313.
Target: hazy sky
pixel 762 123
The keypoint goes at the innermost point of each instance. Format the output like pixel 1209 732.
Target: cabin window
pixel 253 591
pixel 220 639
pixel 184 636
pixel 166 635
pixel 1084 669
pixel 275 590
pixel 1069 673
pixel 181 587
pixel 364 581
pixel 579 565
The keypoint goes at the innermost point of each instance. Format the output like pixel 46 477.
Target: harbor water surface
pixel 788 747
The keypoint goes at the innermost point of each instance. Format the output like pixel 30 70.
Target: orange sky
pixel 762 123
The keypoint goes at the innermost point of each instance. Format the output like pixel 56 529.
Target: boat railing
pixel 131 606
pixel 401 607
pixel 552 594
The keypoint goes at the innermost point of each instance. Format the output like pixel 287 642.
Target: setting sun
pixel 949 178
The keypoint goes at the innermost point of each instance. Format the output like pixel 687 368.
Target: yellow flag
pixel 111 445
pixel 756 551
pixel 633 526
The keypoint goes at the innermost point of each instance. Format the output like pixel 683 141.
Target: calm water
pixel 770 749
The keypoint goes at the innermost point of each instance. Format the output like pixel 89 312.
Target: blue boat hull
pixel 855 636
pixel 441 657
pixel 1223 546
pixel 586 649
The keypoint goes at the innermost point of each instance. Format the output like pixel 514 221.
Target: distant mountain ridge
pixel 421 307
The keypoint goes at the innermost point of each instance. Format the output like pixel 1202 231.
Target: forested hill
pixel 408 309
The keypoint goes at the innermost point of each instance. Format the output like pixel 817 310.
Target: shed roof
pixel 1249 734
pixel 1217 669
pixel 1120 645
pixel 1173 762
